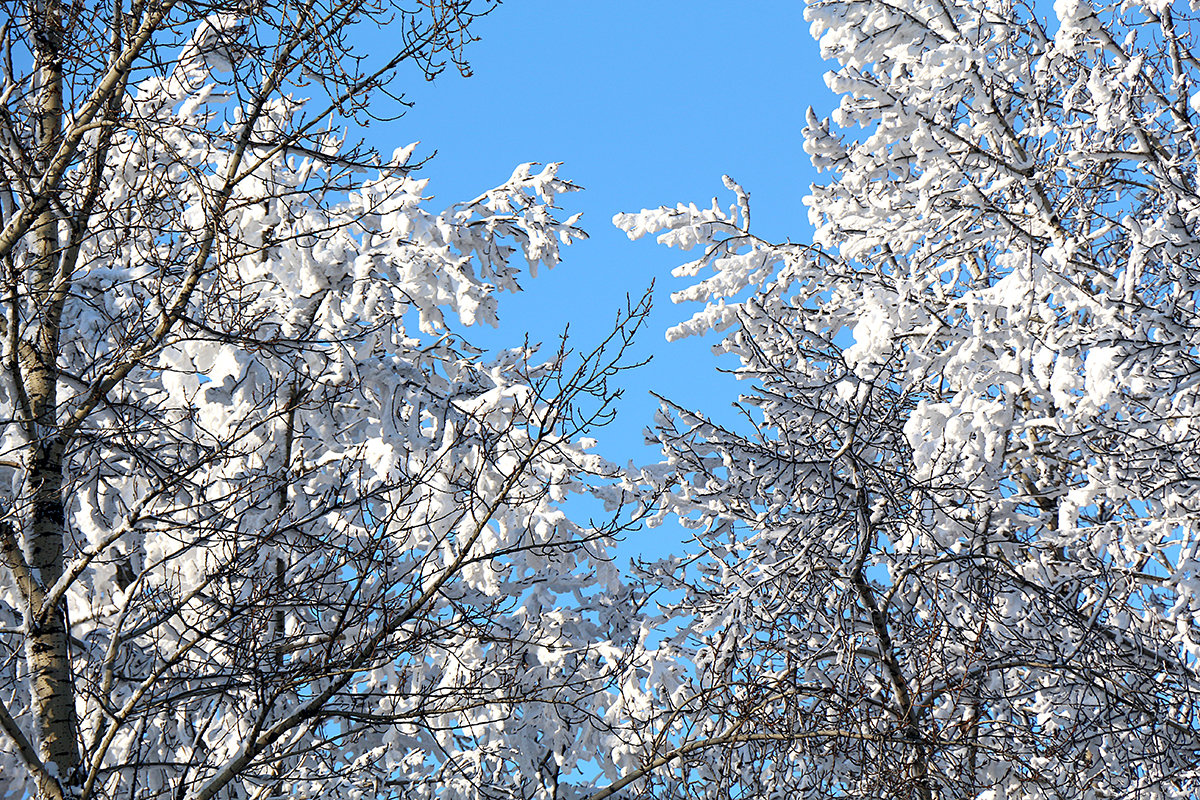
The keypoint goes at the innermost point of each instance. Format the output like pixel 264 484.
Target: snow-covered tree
pixel 269 527
pixel 953 549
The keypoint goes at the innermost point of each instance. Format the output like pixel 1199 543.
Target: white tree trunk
pixel 47 646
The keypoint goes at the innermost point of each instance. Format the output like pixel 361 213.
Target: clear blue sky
pixel 646 103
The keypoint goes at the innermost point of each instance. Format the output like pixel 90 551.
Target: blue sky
pixel 646 103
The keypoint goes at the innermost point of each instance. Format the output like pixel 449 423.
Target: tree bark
pixel 47 650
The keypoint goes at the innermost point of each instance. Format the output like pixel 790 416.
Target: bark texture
pixel 47 646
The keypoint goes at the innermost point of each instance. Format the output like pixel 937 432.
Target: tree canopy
pixel 272 525
pixel 952 551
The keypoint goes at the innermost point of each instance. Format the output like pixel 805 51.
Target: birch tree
pixel 269 526
pixel 952 549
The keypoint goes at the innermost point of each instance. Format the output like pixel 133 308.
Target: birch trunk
pixel 47 648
